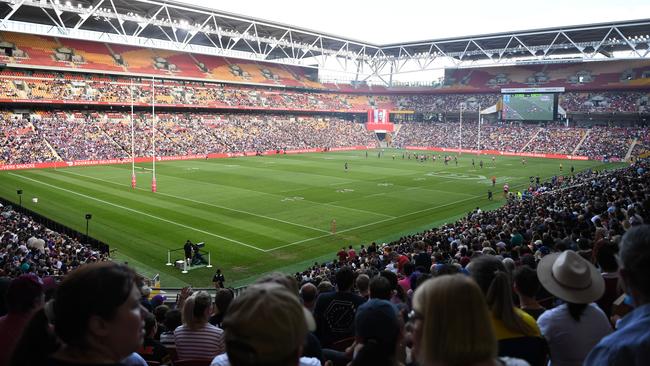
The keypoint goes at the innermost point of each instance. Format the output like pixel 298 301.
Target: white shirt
pixel 570 341
pixel 222 360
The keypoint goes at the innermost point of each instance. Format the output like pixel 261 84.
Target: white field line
pixel 139 212
pixel 203 203
pixel 374 223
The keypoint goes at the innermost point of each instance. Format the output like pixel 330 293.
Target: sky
pixel 393 21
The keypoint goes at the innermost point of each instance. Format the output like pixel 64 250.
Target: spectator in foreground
pixel 516 331
pixel 575 327
pixel 265 325
pixel 24 297
pixel 378 335
pixel 196 338
pixel 630 343
pixel 452 324
pixel 334 312
pixel 526 286
pixel 98 315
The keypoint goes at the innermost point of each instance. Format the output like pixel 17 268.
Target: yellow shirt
pixel 504 333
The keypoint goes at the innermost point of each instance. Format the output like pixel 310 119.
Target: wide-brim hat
pixel 570 277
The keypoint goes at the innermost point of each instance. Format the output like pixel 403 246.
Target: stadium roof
pixel 178 26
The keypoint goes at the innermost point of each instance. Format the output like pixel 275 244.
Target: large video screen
pixel 529 107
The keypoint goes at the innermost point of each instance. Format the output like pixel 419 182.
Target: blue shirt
pixel 629 345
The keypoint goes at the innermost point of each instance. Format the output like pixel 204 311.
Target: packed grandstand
pixel 465 293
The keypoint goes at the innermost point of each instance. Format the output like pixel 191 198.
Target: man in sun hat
pixel 265 325
pixel 575 327
pixel 630 343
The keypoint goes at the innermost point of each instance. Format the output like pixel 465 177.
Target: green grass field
pixel 258 214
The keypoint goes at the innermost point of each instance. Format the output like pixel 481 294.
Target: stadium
pixel 166 142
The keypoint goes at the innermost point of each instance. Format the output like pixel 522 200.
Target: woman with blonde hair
pixel 452 324
pixel 196 338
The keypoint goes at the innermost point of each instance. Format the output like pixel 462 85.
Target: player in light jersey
pixel 506 189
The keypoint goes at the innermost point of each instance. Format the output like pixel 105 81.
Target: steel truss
pixel 180 27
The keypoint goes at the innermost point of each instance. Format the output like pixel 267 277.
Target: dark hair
pixel 223 298
pixel 576 310
pixel 606 258
pixel 408 268
pixel 149 322
pixel 22 293
pixel 173 320
pixel 344 278
pixel 96 289
pixel 380 288
pixel 36 343
pixel 526 280
pixel 635 259
pixel 159 312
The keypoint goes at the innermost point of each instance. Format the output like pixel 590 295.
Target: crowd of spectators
pixel 600 102
pixel 61 86
pixel 596 142
pixel 20 143
pixel 54 136
pixel 608 142
pixel 29 247
pixel 442 296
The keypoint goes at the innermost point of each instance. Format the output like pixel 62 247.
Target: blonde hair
pixel 194 315
pixel 456 326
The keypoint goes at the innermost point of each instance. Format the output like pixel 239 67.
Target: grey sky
pixel 389 21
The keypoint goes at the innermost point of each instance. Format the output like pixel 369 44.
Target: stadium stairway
pixel 580 143
pixel 531 139
pixel 52 149
pixel 629 151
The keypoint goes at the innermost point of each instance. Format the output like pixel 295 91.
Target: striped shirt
pixel 203 343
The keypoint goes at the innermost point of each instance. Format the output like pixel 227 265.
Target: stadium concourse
pixel 559 274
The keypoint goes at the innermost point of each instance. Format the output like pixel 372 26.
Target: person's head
pixel 363 283
pixel 97 309
pixel 197 309
pixel 493 279
pixel 265 325
pixel 159 312
pixel 606 258
pixel 380 288
pixel 344 278
pixel 452 323
pixel 24 294
pixel 634 255
pixel 526 282
pixel 325 286
pixel 222 300
pixel 308 293
pixel 150 325
pixel 173 320
pixel 377 332
pixel 282 279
